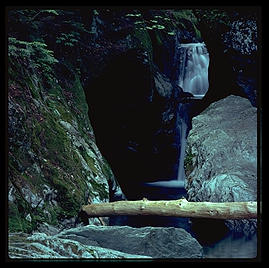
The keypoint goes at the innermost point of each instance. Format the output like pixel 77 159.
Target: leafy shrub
pixel 32 55
pixel 68 39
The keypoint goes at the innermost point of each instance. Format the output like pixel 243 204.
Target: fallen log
pixel 176 208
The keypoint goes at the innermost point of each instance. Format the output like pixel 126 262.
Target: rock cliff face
pixel 223 146
pixel 54 163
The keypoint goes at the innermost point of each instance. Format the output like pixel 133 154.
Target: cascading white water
pixel 193 69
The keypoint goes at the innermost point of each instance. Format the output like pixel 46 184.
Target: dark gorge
pixel 147 99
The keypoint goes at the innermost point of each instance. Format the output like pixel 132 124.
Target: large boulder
pixel 107 242
pixel 222 146
pixel 42 246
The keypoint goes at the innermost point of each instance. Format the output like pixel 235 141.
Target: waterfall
pixel 193 69
pixel 182 128
pixel 192 78
pixel 189 71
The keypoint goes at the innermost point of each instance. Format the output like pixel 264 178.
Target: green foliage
pixel 34 55
pixel 150 24
pixel 68 39
pixel 19 224
pixel 213 15
pixel 143 37
pixel 216 20
pixel 188 162
pixel 179 16
pixel 29 15
pixel 186 14
pixel 26 24
pixel 35 51
pixel 61 30
pixel 166 22
pixel 16 217
pixel 50 11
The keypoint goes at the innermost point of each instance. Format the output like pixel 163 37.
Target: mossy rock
pixel 45 154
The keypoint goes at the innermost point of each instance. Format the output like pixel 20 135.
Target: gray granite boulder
pixel 106 242
pixel 43 246
pixel 223 147
pixel 156 242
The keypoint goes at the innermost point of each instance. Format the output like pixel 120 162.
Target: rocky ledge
pixel 105 242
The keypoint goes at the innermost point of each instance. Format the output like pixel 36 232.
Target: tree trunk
pixel 177 208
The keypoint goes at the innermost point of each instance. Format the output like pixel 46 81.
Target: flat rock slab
pixel 156 242
pixel 106 242
pixel 43 246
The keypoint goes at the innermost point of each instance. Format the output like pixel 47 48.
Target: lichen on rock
pixel 54 164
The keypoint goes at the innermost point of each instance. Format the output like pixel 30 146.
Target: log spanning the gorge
pixel 175 208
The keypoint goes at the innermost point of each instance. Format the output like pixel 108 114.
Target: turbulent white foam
pixel 193 69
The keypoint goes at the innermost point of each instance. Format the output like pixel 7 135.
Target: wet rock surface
pixel 106 242
pixel 42 246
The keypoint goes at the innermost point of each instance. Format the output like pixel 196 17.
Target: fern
pixel 34 55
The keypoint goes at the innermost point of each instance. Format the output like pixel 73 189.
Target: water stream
pixel 233 247
pixel 193 78
pixel 193 69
